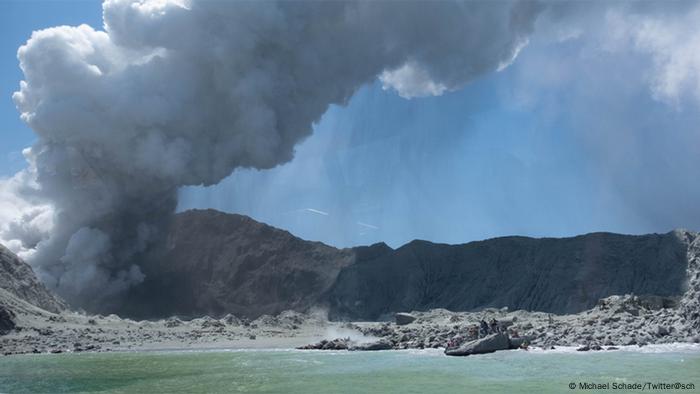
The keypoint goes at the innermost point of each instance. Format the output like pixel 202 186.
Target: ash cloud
pixel 177 93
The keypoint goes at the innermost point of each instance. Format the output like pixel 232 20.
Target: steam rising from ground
pixel 176 93
pixel 353 335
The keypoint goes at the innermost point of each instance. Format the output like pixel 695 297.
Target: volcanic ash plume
pixel 176 93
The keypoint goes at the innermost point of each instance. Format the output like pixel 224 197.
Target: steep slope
pixel 690 303
pixel 218 263
pixel 565 275
pixel 18 279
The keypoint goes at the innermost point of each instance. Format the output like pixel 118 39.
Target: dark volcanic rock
pixel 18 278
pixel 562 275
pixel 489 344
pixel 7 320
pixel 218 263
pixel 335 344
pixel 517 343
pixel 381 344
pixel 347 344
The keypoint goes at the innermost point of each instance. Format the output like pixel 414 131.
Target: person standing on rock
pixel 494 326
pixel 483 328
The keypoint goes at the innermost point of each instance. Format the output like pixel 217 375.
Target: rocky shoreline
pixel 620 320
pixel 74 332
pixel 615 321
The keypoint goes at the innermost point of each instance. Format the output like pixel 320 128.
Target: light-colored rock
pixel 404 318
pixel 17 277
pixel 379 345
pixel 488 344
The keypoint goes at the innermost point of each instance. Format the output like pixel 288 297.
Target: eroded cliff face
pixel 19 280
pixel 565 275
pixel 218 263
pixel 690 302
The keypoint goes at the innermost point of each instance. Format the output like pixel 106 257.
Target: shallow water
pixel 293 371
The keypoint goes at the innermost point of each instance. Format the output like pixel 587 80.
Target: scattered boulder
pixel 173 322
pixel 505 323
pixel 517 343
pixel 404 318
pixel 57 319
pixel 488 344
pixel 232 320
pixel 381 344
pixel 211 323
pixel 661 331
pixel 335 344
pixel 589 347
pixel 654 302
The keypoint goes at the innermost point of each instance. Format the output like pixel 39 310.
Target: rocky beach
pixel 33 320
pixel 615 321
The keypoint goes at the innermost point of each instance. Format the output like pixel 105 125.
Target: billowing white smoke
pixel 177 93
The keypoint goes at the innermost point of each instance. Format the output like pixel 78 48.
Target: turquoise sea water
pixel 294 371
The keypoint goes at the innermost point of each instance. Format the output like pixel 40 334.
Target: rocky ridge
pixel 217 263
pixel 618 320
pixel 557 275
pixel 690 302
pixel 33 320
pixel 18 278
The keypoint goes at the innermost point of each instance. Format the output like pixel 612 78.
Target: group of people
pixel 491 327
pixel 476 332
pixel 482 330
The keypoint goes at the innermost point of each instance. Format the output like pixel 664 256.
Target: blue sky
pixel 569 139
pixel 584 148
pixel 18 19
